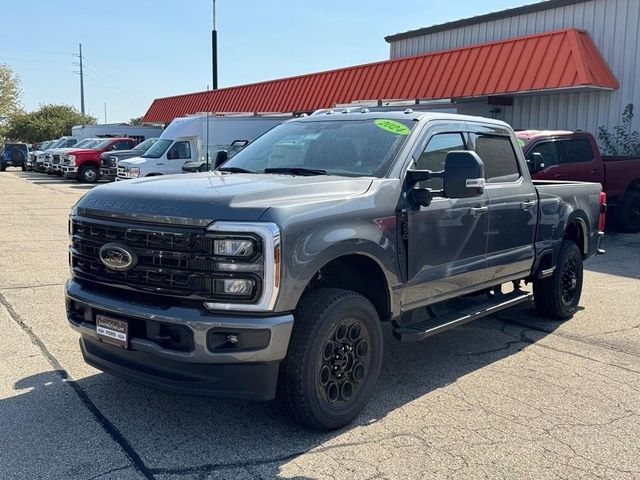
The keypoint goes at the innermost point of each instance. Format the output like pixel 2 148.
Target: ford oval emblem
pixel 118 257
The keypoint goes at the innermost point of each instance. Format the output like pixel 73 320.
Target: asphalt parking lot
pixel 511 396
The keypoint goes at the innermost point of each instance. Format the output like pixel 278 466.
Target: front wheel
pixel 558 296
pixel 334 359
pixel 88 174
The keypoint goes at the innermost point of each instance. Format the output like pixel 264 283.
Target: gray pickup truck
pixel 272 275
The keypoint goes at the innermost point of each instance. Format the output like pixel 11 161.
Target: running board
pixel 422 330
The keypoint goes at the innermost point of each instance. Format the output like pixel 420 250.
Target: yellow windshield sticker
pixel 392 126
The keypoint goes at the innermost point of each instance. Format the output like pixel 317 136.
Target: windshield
pixel 86 143
pixel 158 148
pixel 101 144
pixel 340 147
pixel 144 146
pixel 56 143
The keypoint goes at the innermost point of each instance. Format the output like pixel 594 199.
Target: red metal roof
pixel 546 61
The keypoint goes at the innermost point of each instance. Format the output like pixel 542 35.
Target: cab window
pixel 499 158
pixel 179 151
pixel 434 154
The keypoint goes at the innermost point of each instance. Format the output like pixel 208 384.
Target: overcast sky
pixel 140 50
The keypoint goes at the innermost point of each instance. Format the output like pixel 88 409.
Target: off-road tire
pixel 558 296
pixel 24 168
pixel 318 318
pixel 627 214
pixel 2 167
pixel 88 174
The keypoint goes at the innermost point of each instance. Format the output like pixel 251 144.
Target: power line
pixel 116 80
pixel 109 89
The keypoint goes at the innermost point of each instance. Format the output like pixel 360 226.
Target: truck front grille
pixel 172 261
pixel 56 158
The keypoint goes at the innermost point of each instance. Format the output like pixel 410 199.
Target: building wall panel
pixel 614 26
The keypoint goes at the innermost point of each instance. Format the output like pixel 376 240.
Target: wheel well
pixel 634 186
pixel 575 233
pixel 89 163
pixel 358 273
pixel 153 175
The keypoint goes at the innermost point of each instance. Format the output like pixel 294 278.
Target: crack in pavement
pixel 98 416
pixel 21 287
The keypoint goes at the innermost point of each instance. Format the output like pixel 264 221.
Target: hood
pixel 82 151
pixel 199 199
pixel 119 153
pixel 132 162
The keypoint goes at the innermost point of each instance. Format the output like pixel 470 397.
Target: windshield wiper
pixel 235 170
pixel 305 172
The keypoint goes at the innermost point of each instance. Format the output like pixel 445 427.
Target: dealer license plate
pixel 112 331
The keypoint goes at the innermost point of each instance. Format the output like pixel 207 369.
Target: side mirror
pixel 463 174
pixel 535 162
pixel 221 157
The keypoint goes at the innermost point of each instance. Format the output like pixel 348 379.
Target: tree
pixel 9 92
pixel 623 141
pixel 135 121
pixel 49 121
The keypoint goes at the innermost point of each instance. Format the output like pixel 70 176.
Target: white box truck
pixel 190 139
pixel 138 132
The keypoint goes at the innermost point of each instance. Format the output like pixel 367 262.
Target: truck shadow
pixel 199 437
pixel 622 257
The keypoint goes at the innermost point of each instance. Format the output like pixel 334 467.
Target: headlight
pixel 233 247
pixel 134 172
pixel 72 160
pixel 248 265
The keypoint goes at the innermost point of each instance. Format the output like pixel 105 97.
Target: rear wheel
pixel 24 168
pixel 3 167
pixel 558 296
pixel 334 359
pixel 88 174
pixel 627 214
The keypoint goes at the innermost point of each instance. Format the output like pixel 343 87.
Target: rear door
pixel 513 204
pixel 570 158
pixel 446 240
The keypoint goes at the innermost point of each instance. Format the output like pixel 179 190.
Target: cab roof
pixel 406 114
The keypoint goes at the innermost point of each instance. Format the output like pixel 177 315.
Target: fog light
pixel 236 286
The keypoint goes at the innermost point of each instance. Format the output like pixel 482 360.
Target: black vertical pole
pixel 81 80
pixel 214 50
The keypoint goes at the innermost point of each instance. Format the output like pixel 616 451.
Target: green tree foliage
pixel 622 141
pixel 135 121
pixel 9 93
pixel 49 121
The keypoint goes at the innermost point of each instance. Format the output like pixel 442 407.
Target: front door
pixel 513 206
pixel 447 239
pixel 177 156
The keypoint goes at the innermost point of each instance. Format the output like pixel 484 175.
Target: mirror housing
pixel 463 174
pixel 535 162
pixel 221 157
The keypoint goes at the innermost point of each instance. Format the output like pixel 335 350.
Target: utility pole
pixel 81 80
pixel 214 50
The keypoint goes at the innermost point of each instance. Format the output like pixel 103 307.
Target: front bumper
pixel 68 171
pixel 209 367
pixel 108 173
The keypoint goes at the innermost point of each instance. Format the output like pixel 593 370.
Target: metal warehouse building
pixel 559 64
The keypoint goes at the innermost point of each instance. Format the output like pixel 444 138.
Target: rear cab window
pixel 499 158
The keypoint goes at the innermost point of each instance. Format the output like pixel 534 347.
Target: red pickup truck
pixel 84 164
pixel 566 155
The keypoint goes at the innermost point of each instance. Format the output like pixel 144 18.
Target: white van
pixel 190 139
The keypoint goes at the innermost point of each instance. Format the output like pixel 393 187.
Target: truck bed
pixel 579 197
